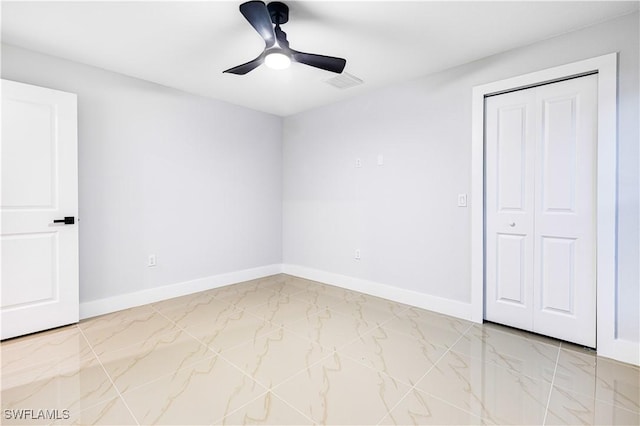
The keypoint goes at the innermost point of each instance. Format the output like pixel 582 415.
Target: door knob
pixel 68 220
pixel 512 224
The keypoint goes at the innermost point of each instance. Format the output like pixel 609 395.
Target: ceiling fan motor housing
pixel 279 12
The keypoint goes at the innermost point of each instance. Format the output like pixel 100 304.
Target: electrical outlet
pixel 152 261
pixel 358 163
pixel 356 255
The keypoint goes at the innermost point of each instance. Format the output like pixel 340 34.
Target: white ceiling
pixel 187 45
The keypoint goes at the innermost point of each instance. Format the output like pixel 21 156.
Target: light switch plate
pixel 462 200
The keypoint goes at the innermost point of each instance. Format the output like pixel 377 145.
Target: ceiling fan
pixel 266 20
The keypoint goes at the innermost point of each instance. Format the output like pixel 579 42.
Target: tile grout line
pixel 593 395
pixel 364 335
pixel 209 348
pixel 413 387
pixel 14 341
pixel 497 365
pixel 268 391
pixel 333 351
pixel 213 351
pixel 378 326
pixel 183 330
pixel 272 387
pixel 180 328
pixel 109 377
pixel 129 345
pixel 275 324
pixel 506 367
pixel 553 379
pixel 311 420
pixel 177 328
pixel 345 344
pixel 438 397
pixel 220 355
pixel 245 373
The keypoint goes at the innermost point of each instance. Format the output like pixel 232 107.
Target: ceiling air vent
pixel 344 81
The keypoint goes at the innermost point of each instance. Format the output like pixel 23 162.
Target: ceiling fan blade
pixel 245 68
pixel 258 16
pixel 328 63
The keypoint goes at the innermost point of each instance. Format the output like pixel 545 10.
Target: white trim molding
pixel 130 300
pixel 605 66
pixel 421 300
pixel 413 298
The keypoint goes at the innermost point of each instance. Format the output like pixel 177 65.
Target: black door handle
pixel 68 220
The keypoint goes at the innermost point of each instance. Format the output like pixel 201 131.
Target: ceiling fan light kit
pixel 277 60
pixel 266 20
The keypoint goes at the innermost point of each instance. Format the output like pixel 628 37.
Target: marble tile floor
pixel 283 350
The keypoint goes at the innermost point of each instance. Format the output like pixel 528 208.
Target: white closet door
pixel 565 252
pixel 509 175
pixel 540 209
pixel 39 185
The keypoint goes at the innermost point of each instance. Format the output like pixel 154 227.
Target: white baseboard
pixel 409 297
pixel 129 300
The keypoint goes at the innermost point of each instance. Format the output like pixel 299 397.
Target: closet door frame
pixel 606 192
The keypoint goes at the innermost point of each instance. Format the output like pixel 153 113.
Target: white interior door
pixel 39 186
pixel 510 233
pixel 565 221
pixel 540 209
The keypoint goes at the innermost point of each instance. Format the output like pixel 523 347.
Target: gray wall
pixel 195 181
pixel 403 216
